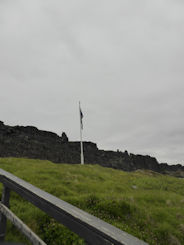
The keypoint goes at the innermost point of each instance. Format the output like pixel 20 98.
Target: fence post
pixel 5 200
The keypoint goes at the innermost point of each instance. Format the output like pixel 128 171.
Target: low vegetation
pixel 145 204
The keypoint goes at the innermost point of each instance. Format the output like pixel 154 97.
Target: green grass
pixel 145 204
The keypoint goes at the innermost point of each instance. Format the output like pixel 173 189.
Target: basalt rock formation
pixel 29 142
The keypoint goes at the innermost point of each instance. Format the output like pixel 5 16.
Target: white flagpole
pixel 81 142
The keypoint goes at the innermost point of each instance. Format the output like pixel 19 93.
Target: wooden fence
pixel 93 230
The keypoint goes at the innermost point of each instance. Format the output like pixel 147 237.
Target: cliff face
pixel 30 142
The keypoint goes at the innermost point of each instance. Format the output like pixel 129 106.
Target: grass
pixel 145 204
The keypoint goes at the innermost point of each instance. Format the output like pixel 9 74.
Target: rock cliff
pixel 29 142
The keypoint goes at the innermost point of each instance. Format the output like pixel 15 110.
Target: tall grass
pixel 145 204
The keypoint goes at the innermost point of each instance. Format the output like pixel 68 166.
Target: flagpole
pixel 81 142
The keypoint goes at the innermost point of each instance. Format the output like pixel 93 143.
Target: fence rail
pixel 90 228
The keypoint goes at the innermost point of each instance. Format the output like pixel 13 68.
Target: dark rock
pixel 30 142
pixel 64 137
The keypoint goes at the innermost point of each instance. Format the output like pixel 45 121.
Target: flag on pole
pixel 81 117
pixel 81 128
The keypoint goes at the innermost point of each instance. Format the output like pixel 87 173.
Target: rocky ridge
pixel 30 142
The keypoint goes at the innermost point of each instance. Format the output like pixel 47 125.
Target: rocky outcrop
pixel 64 137
pixel 29 142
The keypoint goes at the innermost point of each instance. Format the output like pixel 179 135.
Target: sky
pixel 123 59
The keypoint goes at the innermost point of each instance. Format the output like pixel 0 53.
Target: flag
pixel 81 117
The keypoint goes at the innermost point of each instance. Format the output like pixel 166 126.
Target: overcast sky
pixel 124 59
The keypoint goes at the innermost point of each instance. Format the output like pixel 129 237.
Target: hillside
pixel 30 142
pixel 143 203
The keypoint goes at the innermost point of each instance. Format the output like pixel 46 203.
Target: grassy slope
pixel 145 204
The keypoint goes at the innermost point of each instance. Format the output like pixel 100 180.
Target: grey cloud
pixel 123 60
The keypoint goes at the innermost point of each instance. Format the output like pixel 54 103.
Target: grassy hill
pixel 145 204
